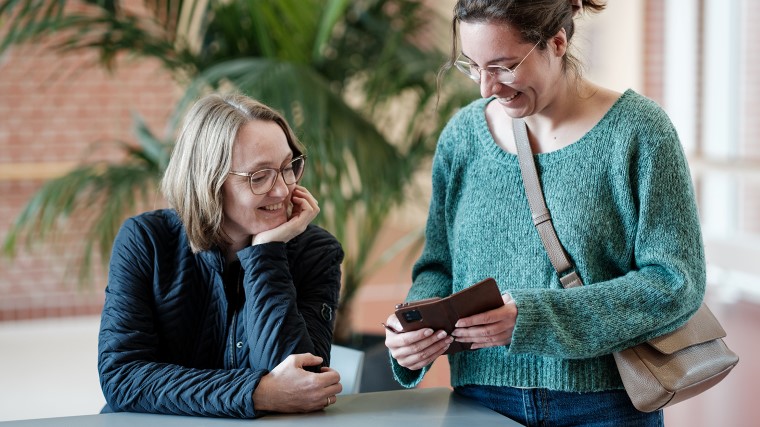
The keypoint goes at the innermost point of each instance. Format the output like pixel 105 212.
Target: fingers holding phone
pixel 488 329
pixel 415 349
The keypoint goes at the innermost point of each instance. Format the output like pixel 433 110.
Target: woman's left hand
pixel 305 209
pixel 488 329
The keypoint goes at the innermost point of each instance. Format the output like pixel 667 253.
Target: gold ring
pixel 328 401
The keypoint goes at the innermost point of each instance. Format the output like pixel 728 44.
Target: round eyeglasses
pixel 500 73
pixel 262 181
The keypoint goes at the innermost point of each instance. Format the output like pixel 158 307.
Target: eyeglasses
pixel 262 181
pixel 500 73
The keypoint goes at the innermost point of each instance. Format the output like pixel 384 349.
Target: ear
pixel 557 45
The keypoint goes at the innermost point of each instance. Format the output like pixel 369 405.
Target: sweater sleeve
pixel 431 274
pixel 132 376
pixel 281 317
pixel 665 283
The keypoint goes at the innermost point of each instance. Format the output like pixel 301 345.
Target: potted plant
pixel 340 71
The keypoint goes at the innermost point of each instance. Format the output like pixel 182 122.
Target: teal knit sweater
pixel 622 203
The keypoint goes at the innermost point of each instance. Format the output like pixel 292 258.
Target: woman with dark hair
pixel 223 305
pixel 619 190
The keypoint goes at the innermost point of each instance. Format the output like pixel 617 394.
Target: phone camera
pixel 412 316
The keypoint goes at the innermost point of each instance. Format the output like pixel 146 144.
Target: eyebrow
pixel 493 61
pixel 266 165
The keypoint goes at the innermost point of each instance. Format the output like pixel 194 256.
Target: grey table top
pixel 402 408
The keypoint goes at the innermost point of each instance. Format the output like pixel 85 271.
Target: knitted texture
pixel 622 203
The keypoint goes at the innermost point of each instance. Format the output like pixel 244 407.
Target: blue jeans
pixel 542 407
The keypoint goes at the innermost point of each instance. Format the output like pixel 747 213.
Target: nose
pixel 488 84
pixel 280 188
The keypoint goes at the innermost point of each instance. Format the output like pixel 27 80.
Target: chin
pixel 269 224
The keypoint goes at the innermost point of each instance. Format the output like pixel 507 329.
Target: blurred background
pixel 90 92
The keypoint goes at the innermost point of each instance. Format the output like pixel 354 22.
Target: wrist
pixel 260 396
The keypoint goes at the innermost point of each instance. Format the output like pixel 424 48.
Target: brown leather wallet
pixel 443 313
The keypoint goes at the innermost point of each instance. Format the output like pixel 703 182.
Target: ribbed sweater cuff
pixel 529 371
pixel 407 377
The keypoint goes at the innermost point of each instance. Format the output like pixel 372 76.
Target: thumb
pixel 307 359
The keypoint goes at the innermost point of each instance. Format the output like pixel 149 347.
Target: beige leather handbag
pixel 662 371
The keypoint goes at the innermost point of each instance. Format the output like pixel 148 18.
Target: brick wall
pixel 654 47
pixel 56 111
pixel 749 108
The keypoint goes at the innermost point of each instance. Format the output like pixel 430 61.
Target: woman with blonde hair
pixel 223 305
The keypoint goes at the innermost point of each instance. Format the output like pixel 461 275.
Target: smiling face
pixel 537 78
pixel 259 145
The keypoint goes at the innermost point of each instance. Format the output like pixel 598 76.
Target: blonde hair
pixel 201 160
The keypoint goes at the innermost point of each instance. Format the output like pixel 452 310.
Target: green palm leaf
pixel 96 196
pixel 356 79
pixel 103 26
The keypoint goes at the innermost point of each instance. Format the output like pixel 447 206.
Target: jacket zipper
pixel 233 325
pixel 233 328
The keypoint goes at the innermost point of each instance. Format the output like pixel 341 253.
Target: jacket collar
pixel 213 259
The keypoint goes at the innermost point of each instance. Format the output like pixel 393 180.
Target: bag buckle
pixel 570 278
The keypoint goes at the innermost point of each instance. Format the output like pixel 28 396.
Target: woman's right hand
pixel 289 388
pixel 304 209
pixel 415 349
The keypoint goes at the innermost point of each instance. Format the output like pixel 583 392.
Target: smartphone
pixel 443 313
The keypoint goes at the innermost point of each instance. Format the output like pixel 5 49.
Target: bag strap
pixel 542 219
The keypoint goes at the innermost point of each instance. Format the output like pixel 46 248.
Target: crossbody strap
pixel 542 219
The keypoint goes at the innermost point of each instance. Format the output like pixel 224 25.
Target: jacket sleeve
pixel 132 375
pixel 290 302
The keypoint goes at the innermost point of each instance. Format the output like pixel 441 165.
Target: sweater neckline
pixel 497 152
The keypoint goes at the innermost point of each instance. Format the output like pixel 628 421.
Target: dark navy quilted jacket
pixel 165 345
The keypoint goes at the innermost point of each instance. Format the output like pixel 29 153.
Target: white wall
pixel 48 368
pixel 610 45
